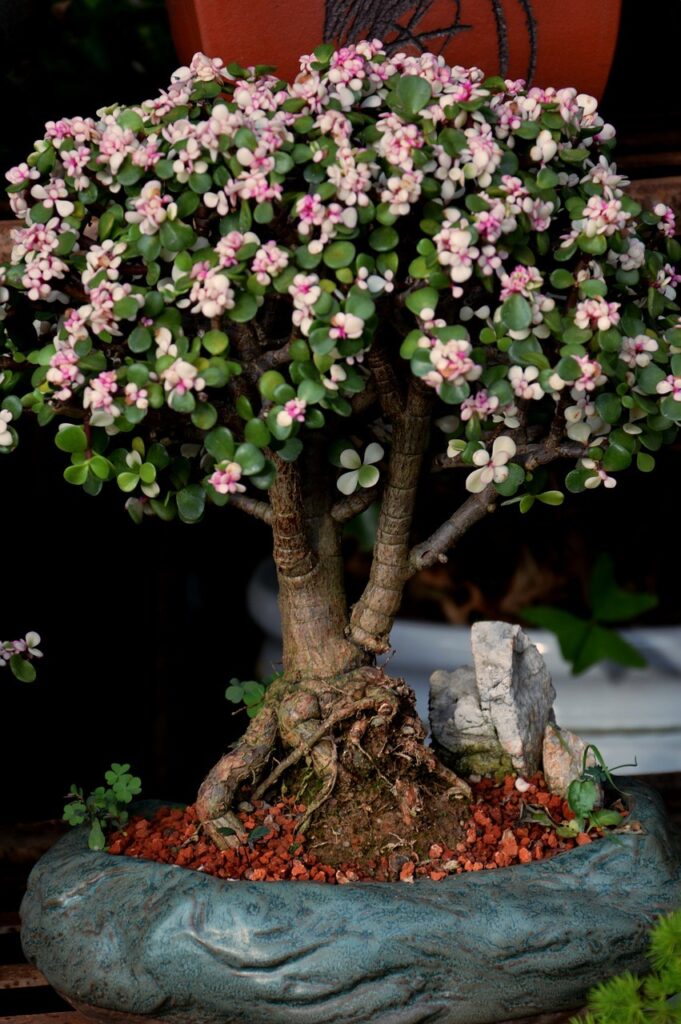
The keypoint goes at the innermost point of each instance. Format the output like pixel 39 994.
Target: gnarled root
pixel 362 724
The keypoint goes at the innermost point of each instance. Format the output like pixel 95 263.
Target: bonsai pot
pixel 125 939
pixel 547 44
pixel 627 713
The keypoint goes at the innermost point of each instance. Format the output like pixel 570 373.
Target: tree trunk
pixel 307 554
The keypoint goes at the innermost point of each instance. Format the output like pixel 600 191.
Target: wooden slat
pixel 21 976
pixel 46 1018
pixel 9 923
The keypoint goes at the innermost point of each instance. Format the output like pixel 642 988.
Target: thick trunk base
pixel 351 749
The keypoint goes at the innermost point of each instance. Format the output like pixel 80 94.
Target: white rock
pixel 515 689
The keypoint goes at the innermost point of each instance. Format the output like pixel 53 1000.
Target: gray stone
pixel 492 718
pixel 515 688
pixel 563 758
pixel 156 942
pixel 460 729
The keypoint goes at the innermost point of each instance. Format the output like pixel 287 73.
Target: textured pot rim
pixel 597 899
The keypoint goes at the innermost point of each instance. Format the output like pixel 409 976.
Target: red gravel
pixel 495 838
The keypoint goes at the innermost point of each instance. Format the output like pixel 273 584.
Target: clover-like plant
pixel 214 285
pixel 105 807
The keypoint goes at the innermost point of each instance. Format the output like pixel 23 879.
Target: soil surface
pixel 496 832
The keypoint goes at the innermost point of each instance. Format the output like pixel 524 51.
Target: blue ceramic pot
pixel 129 940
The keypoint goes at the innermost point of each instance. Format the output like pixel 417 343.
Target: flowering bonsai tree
pixel 297 299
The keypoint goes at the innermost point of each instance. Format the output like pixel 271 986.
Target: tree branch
pixel 258 509
pixel 387 385
pixel 529 455
pixel 446 536
pixel 345 510
pixel 373 615
pixel 477 506
pixel 293 552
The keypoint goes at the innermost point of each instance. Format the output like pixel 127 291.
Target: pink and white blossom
pixel 671 385
pixel 226 478
pixel 493 468
pixel 293 412
pixel 638 351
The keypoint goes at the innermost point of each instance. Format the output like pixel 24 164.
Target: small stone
pixel 522 785
pixel 563 758
pixel 515 688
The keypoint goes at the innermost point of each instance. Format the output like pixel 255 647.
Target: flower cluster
pixel 210 268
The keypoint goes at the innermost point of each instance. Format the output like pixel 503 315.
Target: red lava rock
pixel 494 838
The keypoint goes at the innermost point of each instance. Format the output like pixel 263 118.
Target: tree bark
pixel 373 615
pixel 307 554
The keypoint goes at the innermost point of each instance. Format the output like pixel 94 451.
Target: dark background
pixel 144 626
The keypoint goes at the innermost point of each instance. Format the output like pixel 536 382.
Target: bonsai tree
pixel 300 299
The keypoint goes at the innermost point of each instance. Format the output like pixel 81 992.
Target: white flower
pixel 493 468
pixel 5 435
pixel 362 472
pixel 524 382
pixel 545 148
pixel 599 477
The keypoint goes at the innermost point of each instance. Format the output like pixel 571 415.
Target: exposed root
pixel 364 747
pixel 308 746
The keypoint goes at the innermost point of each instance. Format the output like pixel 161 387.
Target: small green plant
pixel 585 641
pixel 249 692
pixel 105 806
pixel 654 998
pixel 583 796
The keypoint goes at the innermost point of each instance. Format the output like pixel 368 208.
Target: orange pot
pixel 544 41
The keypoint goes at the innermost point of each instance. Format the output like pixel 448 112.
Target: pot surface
pixel 166 944
pixel 571 43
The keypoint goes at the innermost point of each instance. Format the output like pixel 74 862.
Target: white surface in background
pixel 627 713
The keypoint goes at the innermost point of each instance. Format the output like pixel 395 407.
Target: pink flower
pixel 592 375
pixel 452 362
pixel 21 174
pixel 269 261
pixel 64 373
pixel 493 467
pixel 671 385
pixel 637 351
pixel 596 313
pixel 98 395
pixel 181 377
pixel 524 382
pixel 599 476
pixel 603 216
pixel 213 294
pixel 346 325
pixel 293 412
pixel 54 195
pixel 226 478
pixel 151 208
pixel 482 405
pixel 667 217
pixel 134 395
pixel 522 280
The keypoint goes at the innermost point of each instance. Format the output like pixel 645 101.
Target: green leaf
pixel 383 239
pixel 220 444
pixel 96 838
pixel 140 339
pixel 126 309
pixel 411 94
pixel 191 501
pixel 516 313
pixel 130 119
pixel 616 457
pixel 562 279
pixel 601 644
pixel 127 481
pixel 311 391
pixel 215 342
pixel 569 629
pixel 176 236
pixel 424 298
pixel 245 308
pixel 204 416
pixel 256 433
pixel 582 795
pixel 22 669
pixel 250 458
pixel 609 602
pixel 339 254
pixel 71 439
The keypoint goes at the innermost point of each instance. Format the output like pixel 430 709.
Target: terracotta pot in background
pixel 547 43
